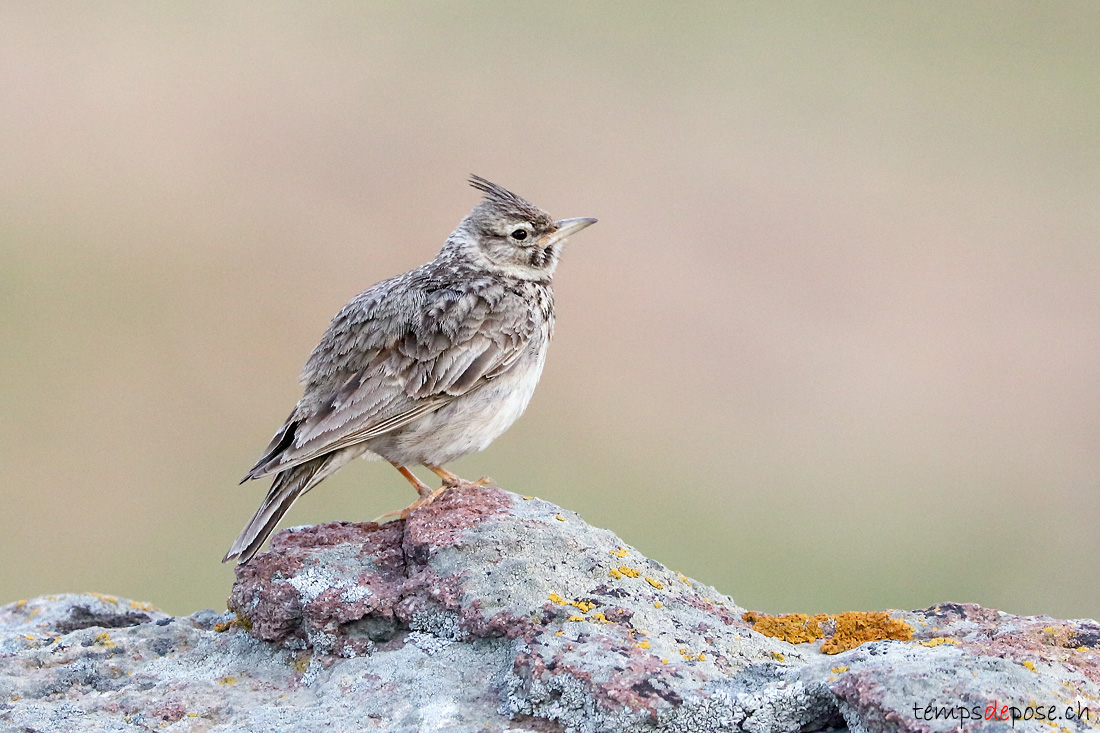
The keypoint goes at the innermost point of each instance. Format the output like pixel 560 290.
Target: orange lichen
pixel 858 627
pixel 795 628
pixel 243 621
pixel 851 628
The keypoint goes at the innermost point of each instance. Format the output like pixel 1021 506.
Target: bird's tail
pixel 285 490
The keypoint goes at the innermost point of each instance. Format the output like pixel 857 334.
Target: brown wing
pixel 396 352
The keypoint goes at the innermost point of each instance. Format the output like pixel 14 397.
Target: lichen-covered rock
pixel 488 611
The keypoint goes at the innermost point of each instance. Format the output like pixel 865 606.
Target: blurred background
pixel 834 344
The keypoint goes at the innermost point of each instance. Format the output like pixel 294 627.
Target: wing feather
pixel 386 361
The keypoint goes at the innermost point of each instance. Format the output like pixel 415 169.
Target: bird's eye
pixel 519 235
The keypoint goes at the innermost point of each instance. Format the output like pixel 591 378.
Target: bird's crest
pixel 504 201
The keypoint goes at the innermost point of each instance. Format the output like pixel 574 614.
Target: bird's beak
pixel 565 227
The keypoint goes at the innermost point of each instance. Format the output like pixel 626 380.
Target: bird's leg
pixel 421 488
pixel 427 496
pixel 449 479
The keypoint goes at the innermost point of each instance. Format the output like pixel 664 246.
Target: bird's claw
pixel 407 511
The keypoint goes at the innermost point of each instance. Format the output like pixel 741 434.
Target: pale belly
pixel 466 425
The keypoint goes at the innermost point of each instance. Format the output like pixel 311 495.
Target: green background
pixel 834 344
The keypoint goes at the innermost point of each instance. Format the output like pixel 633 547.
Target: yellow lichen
pixel 684 578
pixel 560 518
pixel 643 644
pixel 223 626
pixel 702 657
pixel 938 641
pixel 664 661
pixel 629 571
pixel 528 498
pixel 655 583
pixel 620 553
pixel 1029 664
pixel 227 680
pixel 656 604
pixel 576 618
pixel 779 656
pixel 838 670
pixel 141 606
pixel 558 633
pixel 615 574
pixel 599 617
pixel 103 639
pixel 582 606
pixel 20 604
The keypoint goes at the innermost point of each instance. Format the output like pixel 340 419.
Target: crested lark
pixel 426 367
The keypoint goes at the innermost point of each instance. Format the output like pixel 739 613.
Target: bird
pixel 425 367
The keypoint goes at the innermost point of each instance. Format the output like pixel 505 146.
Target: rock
pixel 488 611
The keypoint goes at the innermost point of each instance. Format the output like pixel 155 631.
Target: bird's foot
pixel 407 511
pixel 453 481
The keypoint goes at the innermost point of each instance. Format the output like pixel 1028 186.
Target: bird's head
pixel 511 236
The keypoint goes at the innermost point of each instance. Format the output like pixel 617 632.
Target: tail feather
pixel 285 490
